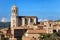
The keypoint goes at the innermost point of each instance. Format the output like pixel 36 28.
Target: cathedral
pixel 28 27
pixel 21 20
pixel 24 27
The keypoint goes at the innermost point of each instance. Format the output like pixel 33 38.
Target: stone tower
pixel 14 20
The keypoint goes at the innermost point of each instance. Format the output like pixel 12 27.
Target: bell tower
pixel 14 20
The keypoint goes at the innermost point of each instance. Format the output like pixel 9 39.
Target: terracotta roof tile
pixel 37 31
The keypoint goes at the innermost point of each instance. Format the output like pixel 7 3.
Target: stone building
pixel 28 27
pixel 24 27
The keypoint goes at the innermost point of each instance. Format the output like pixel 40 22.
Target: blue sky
pixel 43 9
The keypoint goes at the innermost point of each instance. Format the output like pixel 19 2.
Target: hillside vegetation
pixel 4 24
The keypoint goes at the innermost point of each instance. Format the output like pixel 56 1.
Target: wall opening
pixel 54 31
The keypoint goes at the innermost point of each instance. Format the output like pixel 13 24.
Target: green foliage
pixel 19 38
pixel 4 24
pixel 6 38
pixel 44 36
pixel 3 37
pixel 48 36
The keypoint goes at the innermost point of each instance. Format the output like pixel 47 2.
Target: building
pixel 28 27
pixel 24 26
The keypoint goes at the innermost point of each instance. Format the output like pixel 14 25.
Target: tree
pixel 6 38
pixel 19 38
pixel 48 36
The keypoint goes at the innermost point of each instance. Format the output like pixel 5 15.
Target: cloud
pixel 4 19
pixel 39 20
pixel 45 19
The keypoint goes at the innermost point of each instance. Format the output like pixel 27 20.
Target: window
pixel 16 11
pixel 31 20
pixel 50 31
pixel 13 11
pixel 13 25
pixel 54 31
pixel 50 25
pixel 26 21
pixel 13 21
pixel 40 27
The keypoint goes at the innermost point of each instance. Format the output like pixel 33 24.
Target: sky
pixel 43 9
